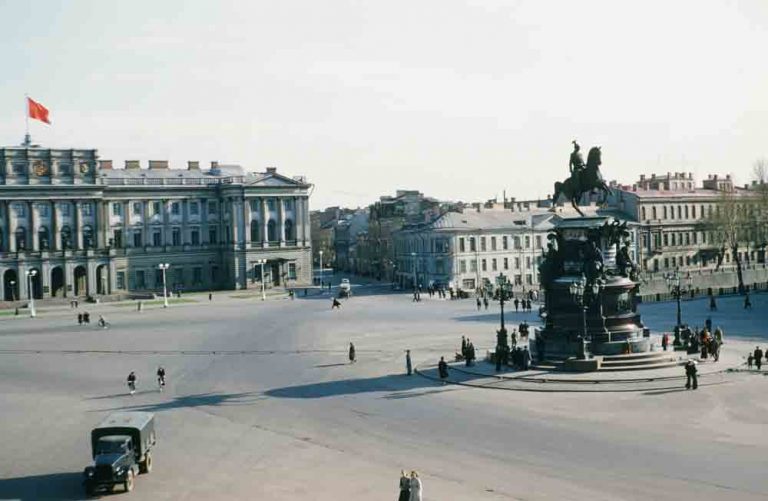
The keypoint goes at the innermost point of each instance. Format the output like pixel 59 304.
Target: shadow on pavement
pixel 390 383
pixel 531 317
pixel 191 401
pixel 56 486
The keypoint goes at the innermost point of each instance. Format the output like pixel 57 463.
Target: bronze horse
pixel 586 180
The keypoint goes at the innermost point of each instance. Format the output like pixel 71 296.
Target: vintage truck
pixel 121 448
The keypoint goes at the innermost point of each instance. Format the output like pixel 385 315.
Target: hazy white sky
pixel 458 99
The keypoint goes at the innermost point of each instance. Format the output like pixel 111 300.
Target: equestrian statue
pixel 584 177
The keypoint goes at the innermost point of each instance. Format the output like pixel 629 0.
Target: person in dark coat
pixel 665 341
pixel 747 302
pixel 405 487
pixel 336 304
pixel 526 358
pixel 479 303
pixel 714 349
pixel 471 353
pixel 408 364
pixel 485 302
pixel 463 347
pixel 708 324
pixel 712 303
pixel 79 319
pixel 691 379
pixel 86 318
pixel 442 369
pixel 750 359
pixel 758 357
pixel 517 304
pixel 351 353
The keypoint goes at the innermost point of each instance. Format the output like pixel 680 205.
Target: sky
pixel 462 100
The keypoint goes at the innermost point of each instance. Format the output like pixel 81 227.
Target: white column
pixel 305 215
pixel 34 235
pixel 281 219
pixel 55 237
pixel 167 233
pixel 126 224
pixel 184 221
pixel 204 220
pixel 12 225
pixel 247 222
pixel 145 223
pixel 264 221
pixel 78 226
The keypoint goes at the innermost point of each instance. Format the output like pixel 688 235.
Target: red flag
pixel 37 111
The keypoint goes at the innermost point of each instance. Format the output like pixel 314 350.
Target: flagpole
pixel 27 138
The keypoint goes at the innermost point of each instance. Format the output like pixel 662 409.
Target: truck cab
pixel 120 447
pixel 345 288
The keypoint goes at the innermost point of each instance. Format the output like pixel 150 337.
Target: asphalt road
pixel 261 403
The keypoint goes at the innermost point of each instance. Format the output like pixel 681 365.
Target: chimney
pixel 727 177
pixel 642 177
pixel 105 164
pixel 653 176
pixel 158 164
pixel 192 165
pixel 271 170
pixel 132 164
pixel 214 164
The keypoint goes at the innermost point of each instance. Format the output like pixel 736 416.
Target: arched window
pixel 87 237
pixel 289 230
pixel 255 231
pixel 271 231
pixel 66 237
pixel 21 238
pixel 44 238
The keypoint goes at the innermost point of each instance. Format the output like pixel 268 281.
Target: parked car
pixel 121 449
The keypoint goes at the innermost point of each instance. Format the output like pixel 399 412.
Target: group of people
pixel 467 352
pixel 410 487
pixel 85 318
pixel 756 358
pixel 160 380
pixel 522 304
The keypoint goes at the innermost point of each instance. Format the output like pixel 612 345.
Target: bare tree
pixel 760 214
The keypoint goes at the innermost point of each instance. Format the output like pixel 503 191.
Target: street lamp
pixel 677 289
pixel 504 287
pixel 30 274
pixel 13 290
pixel 413 259
pixel 582 295
pixel 163 267
pixel 321 271
pixel 262 262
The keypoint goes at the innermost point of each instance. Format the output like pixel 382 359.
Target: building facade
pixel 71 225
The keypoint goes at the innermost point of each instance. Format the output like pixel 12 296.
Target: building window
pixel 117 238
pixel 653 211
pixel 528 262
pixel 176 236
pixel 88 242
pixel 42 209
pixel 140 280
pixel 493 243
pixel 212 235
pixel 117 209
pixel 462 266
pixel 211 207
pixel 42 235
pixel 517 243
pixel 673 239
pixel 197 275
pixel 291 271
pixel 64 169
pixel 527 242
pixel 472 246
pixel 461 244
pixel 538 241
pixel 642 213
pixel 493 264
pixel 473 266
pixel 271 203
pixel 289 230
pixel 529 279
pixel 120 280
pixel 468 284
pixel 695 237
pixel 156 208
pixel 157 238
pixel 137 240
pixel 506 263
pixel 271 231
pixel 482 244
pixel 518 279
pixel 666 239
pixel 175 208
pixel 517 263
pixel 484 265
pixel 195 236
pixel 19 209
pixel 87 209
pixel 686 212
pixel 504 243
pixel 679 212
pixel 136 208
pixel 18 169
pixel 194 209
pixel 664 212
pixel 255 231
pixel 255 205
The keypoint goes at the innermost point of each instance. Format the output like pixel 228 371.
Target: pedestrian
pixel 408 366
pixel 416 492
pixel 351 353
pixel 691 379
pixel 526 358
pixel 517 304
pixel 747 302
pixel 335 304
pixel 712 303
pixel 86 318
pixel 415 296
pixel 102 321
pixel 210 296
pixel 405 487
pixel 79 319
pixel 132 382
pixel 329 286
pixel 665 341
pixel 485 303
pixel 750 359
pixel 442 369
pixel 708 324
pixel 479 303
pixel 758 357
pixel 471 350
pixel 714 349
pixel 463 347
pixel 719 335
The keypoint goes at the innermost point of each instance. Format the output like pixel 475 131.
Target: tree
pixel 760 222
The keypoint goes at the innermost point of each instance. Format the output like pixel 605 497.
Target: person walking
pixel 463 347
pixel 408 365
pixel 758 357
pixel 665 341
pixel 712 303
pixel 351 353
pixel 86 318
pixel 210 296
pixel 747 302
pixel 442 369
pixel 405 487
pixel 132 383
pixel 719 335
pixel 750 359
pixel 471 353
pixel 691 379
pixel 714 349
pixel 416 489
pixel 479 303
pixel 485 303
pixel 103 322
pixel 517 304
pixel 79 319
pixel 335 304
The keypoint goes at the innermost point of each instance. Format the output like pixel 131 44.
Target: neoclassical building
pixel 72 225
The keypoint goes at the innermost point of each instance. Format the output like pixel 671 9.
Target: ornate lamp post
pixel 582 295
pixel 262 262
pixel 30 274
pixel 678 286
pixel 505 292
pixel 321 271
pixel 413 259
pixel 163 267
pixel 13 290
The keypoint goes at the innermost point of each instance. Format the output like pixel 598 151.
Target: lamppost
pixel 505 291
pixel 582 295
pixel 30 274
pixel 262 262
pixel 677 289
pixel 13 290
pixel 413 259
pixel 321 271
pixel 163 267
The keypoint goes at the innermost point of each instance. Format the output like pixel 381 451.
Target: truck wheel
pixel 146 465
pixel 128 484
pixel 90 491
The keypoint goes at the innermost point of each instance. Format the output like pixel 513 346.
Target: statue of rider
pixel 576 164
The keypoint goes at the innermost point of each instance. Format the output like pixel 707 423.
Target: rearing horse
pixel 586 180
